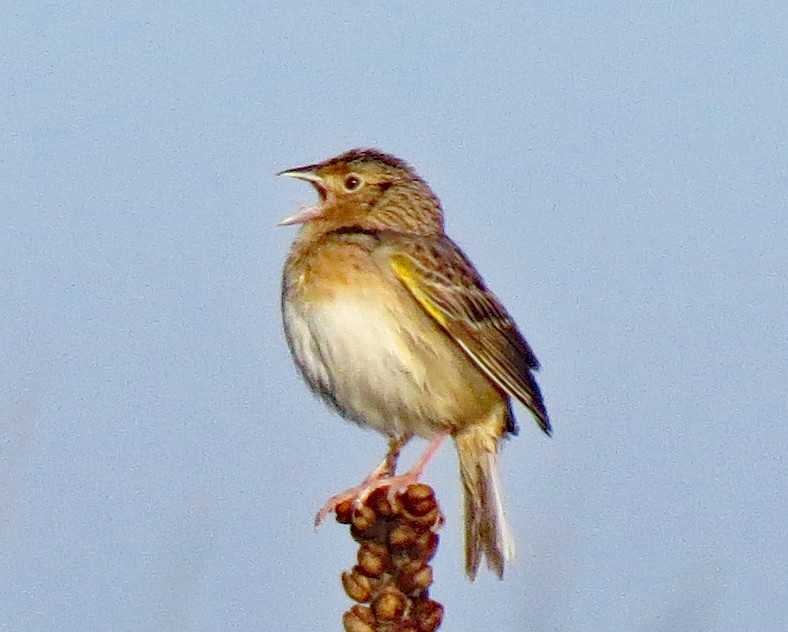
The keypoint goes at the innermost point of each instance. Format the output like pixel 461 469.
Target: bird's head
pixel 370 190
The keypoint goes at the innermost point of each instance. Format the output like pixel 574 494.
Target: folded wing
pixel 450 290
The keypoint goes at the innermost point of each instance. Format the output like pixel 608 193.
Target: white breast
pixel 361 358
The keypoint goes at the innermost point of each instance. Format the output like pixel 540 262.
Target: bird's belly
pixel 386 367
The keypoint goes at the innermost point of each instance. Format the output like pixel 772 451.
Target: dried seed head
pixel 429 615
pixel 415 576
pixel 381 502
pixel 397 538
pixel 363 518
pixel 357 585
pixel 373 559
pixel 359 619
pixel 419 500
pixel 402 535
pixel 427 545
pixel 344 511
pixel 389 605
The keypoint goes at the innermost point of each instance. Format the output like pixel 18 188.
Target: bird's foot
pixel 379 477
pixel 357 495
pixel 382 476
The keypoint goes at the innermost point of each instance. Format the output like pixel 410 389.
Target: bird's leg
pixel 413 475
pixel 388 466
pixel 384 470
pixel 383 476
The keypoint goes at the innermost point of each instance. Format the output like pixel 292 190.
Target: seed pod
pixel 373 559
pixel 357 585
pixel 389 605
pixel 359 619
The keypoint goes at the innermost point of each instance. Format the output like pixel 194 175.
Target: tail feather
pixel 487 534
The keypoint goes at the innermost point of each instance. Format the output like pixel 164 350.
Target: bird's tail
pixel 487 533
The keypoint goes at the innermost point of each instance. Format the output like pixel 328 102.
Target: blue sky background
pixel 617 171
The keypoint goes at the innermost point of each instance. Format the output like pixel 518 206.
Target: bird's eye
pixel 352 182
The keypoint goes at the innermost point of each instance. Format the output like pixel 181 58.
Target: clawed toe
pixel 381 477
pixel 359 495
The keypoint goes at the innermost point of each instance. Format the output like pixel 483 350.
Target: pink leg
pixel 383 476
pixel 385 469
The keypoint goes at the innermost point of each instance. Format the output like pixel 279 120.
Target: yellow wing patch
pixel 475 320
pixel 405 269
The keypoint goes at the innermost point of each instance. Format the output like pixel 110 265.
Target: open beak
pixel 307 213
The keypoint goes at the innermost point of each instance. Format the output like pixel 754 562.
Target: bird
pixel 390 323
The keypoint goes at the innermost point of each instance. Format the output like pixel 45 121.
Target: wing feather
pixel 449 289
